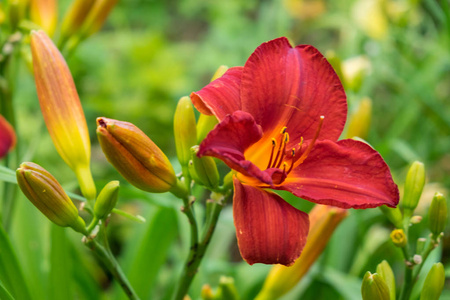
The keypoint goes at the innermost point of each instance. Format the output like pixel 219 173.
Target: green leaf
pixel 60 279
pixel 4 293
pixel 10 271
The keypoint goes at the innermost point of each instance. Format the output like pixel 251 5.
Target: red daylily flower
pixel 7 137
pixel 279 120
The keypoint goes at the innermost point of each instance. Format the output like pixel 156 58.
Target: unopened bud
pixel 385 271
pixel 96 17
pixel 135 156
pixel 207 292
pixel 394 215
pixel 354 72
pixel 415 180
pixel 374 288
pixel 416 219
pixel 7 137
pixel 227 290
pixel 45 192
pixel 438 214
pixel 203 169
pixel 204 126
pixel 45 14
pixel 399 238
pixel 75 16
pixel 185 132
pixel 359 119
pixel 107 199
pixel 417 259
pixel 434 283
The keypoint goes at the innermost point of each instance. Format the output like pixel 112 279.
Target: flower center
pixel 278 153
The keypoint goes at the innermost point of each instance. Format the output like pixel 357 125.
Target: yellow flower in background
pixel 305 9
pixel 359 119
pixel 45 14
pixel 62 109
pixel 370 17
pixel 281 279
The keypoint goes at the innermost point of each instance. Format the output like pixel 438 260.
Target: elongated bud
pixel 7 137
pixel 107 199
pixel 415 180
pixel 207 292
pixel 135 156
pixel 203 169
pixel 227 290
pixel 399 238
pixel 74 18
pixel 45 14
pixel 374 288
pixel 219 72
pixel 62 109
pixel 184 130
pixel 16 12
pixel 434 283
pixel 45 192
pixel 96 17
pixel 385 271
pixel 393 214
pixel 359 120
pixel 204 126
pixel 323 221
pixel 438 214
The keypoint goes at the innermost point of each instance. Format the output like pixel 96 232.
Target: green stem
pixel 198 249
pixel 105 256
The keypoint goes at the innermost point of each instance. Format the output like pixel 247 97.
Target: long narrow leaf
pixel 4 293
pixel 60 283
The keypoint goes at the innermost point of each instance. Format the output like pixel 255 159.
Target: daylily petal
pixel 268 229
pixel 347 174
pixel 229 140
pixel 7 137
pixel 293 87
pixel 221 96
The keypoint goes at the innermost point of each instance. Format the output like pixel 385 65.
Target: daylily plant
pixel 280 117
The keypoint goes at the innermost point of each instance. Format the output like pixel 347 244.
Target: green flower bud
pixel 385 271
pixel 399 238
pixel 204 126
pixel 374 288
pixel 185 131
pixel 394 215
pixel 415 180
pixel 227 289
pixel 106 200
pixel 203 170
pixel 438 214
pixel 136 157
pixel 434 283
pixel 45 192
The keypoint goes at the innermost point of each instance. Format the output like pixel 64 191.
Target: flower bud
pixel 207 292
pixel 415 180
pixel 394 215
pixel 219 72
pixel 359 119
pixel 16 12
pixel 420 245
pixel 184 130
pixel 438 214
pixel 45 14
pixel 74 18
pixel 96 17
pixel 135 156
pixel 434 283
pixel 399 238
pixel 385 271
pixel 7 137
pixel 374 288
pixel 45 192
pixel 62 109
pixel 354 71
pixel 106 200
pixel 227 289
pixel 204 126
pixel 203 170
pixel 281 279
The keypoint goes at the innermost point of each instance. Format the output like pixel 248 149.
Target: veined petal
pixel 229 140
pixel 293 87
pixel 7 136
pixel 221 96
pixel 347 174
pixel 268 229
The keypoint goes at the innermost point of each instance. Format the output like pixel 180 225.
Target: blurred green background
pixel 150 53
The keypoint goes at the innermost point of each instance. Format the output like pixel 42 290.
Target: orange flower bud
pixel 96 17
pixel 75 16
pixel 136 157
pixel 62 109
pixel 45 14
pixel 7 137
pixel 45 192
pixel 281 279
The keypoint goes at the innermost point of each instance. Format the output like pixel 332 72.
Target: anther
pixel 311 144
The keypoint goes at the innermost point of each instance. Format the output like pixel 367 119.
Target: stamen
pixel 292 161
pixel 274 144
pixel 311 144
pixel 283 151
